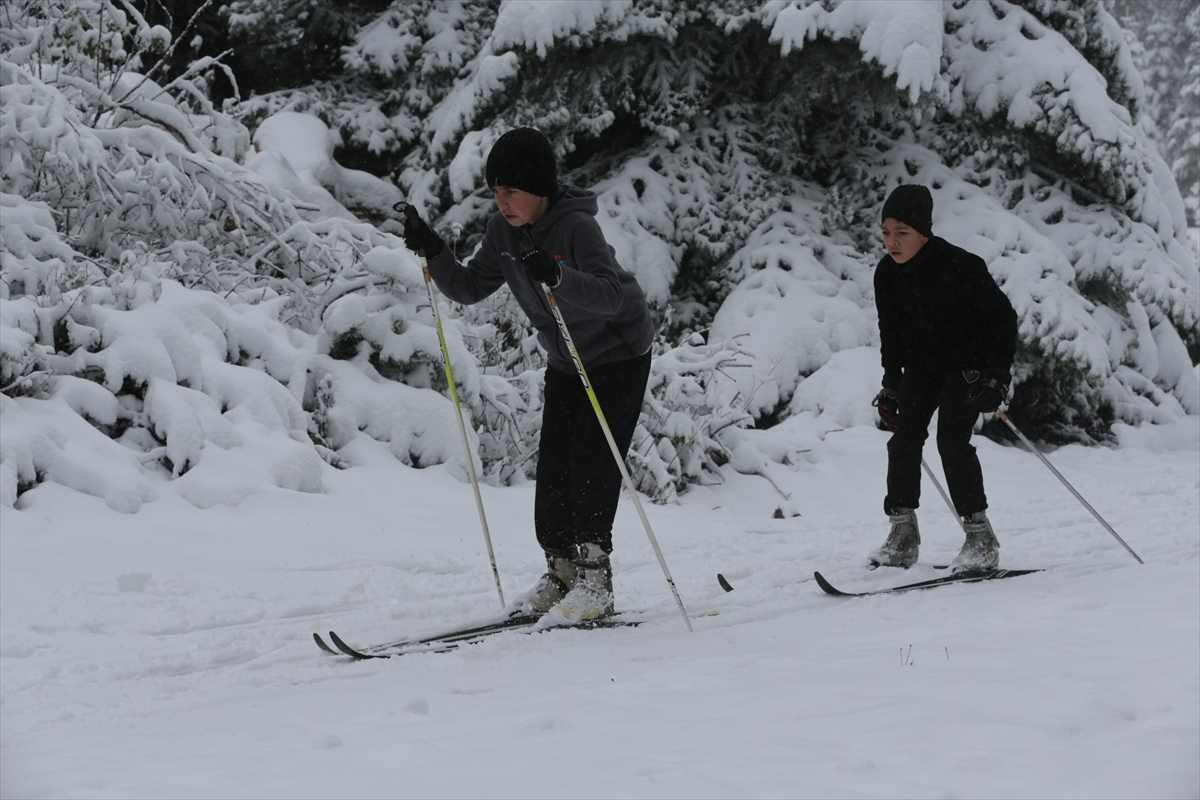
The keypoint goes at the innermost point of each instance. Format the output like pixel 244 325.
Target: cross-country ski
pixel 457 634
pixel 970 576
pixel 451 641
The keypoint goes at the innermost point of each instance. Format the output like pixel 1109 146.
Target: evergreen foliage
pixel 1166 50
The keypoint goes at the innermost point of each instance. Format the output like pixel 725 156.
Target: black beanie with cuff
pixel 523 159
pixel 913 205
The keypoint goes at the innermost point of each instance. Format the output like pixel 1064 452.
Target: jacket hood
pixel 571 199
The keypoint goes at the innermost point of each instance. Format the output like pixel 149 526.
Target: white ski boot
pixel 980 550
pixel 903 543
pixel 551 588
pixel 591 595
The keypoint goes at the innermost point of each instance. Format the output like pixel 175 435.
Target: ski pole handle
pixel 413 221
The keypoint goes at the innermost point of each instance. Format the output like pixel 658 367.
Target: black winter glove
pixel 542 267
pixel 887 402
pixel 987 395
pixel 418 236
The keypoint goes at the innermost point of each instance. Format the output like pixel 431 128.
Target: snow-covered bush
pixel 682 437
pixel 171 293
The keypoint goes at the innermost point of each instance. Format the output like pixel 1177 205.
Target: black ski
pixel 973 576
pixel 321 644
pixel 457 634
pixel 451 641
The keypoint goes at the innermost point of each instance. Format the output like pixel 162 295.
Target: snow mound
pixel 45 440
pixel 843 388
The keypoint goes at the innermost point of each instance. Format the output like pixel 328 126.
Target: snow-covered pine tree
pixel 1166 51
pixel 741 151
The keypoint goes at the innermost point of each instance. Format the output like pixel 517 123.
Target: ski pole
pixel 945 496
pixel 462 429
pixel 612 444
pixel 1065 483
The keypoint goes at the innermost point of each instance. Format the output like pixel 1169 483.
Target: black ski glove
pixel 542 267
pixel 418 236
pixel 887 402
pixel 987 395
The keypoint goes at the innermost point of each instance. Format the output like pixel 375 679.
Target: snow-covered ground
pixel 168 653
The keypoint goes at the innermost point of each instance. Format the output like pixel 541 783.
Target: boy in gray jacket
pixel 546 233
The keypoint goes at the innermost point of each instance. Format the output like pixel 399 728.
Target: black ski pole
pixel 1065 483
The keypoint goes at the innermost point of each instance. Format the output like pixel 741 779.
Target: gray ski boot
pixel 591 595
pixel 980 550
pixel 903 543
pixel 561 574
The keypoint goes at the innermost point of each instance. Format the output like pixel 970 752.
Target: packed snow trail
pixel 169 653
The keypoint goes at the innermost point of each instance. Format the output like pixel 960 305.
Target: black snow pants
pixel 921 393
pixel 578 482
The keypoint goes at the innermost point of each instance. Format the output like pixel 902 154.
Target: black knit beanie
pixel 912 205
pixel 523 159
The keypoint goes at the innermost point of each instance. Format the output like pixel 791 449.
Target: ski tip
pixel 724 583
pixel 348 650
pixel 826 586
pixel 321 644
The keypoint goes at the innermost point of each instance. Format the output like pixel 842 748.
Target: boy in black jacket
pixel 947 335
pixel 544 233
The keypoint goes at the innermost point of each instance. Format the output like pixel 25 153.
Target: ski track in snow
pixel 169 653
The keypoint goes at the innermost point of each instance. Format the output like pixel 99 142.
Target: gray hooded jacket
pixel 602 304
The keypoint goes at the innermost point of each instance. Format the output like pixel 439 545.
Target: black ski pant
pixel 578 482
pixel 922 393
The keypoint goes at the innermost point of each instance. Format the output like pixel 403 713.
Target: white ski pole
pixel 462 428
pixel 612 444
pixel 1065 483
pixel 945 496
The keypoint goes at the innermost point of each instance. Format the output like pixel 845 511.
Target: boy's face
pixel 901 241
pixel 520 207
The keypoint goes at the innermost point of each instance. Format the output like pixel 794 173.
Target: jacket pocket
pixel 621 337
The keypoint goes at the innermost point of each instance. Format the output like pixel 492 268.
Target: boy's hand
pixel 987 395
pixel 887 402
pixel 418 236
pixel 542 267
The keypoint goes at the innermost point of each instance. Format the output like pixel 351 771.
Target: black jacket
pixel 602 304
pixel 942 311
